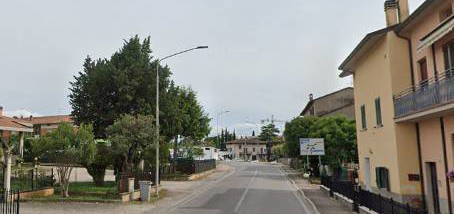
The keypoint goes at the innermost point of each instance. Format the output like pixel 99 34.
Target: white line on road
pixel 238 205
pixel 295 193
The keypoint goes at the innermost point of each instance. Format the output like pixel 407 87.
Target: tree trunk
pixel 7 172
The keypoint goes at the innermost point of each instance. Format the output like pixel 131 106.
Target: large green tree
pixel 338 132
pixel 123 84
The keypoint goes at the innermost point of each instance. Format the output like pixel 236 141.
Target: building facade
pixel 404 107
pixel 10 127
pixel 45 124
pixel 340 102
pixel 250 148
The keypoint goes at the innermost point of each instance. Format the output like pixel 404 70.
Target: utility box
pixel 145 190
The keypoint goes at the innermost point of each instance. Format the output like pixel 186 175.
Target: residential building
pixel 249 148
pixel 209 153
pixel 404 93
pixel 10 127
pixel 45 124
pixel 340 102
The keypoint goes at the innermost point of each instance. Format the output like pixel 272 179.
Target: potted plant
pixel 451 176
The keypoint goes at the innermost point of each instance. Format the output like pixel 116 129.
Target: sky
pixel 264 58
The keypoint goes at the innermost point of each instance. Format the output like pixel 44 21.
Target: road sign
pixel 312 146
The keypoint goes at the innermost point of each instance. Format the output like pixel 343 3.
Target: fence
pixel 368 199
pixel 188 166
pixel 29 179
pixel 9 202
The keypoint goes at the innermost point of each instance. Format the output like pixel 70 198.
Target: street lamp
pixel 157 109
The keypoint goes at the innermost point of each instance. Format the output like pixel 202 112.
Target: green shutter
pixel 378 177
pixel 378 111
pixel 363 117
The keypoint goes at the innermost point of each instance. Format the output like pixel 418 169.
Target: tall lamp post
pixel 157 109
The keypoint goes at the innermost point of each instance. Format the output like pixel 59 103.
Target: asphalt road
pixel 252 188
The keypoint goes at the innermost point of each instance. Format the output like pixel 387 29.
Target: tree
pixel 338 132
pixel 123 84
pixel 131 136
pixel 269 133
pixel 102 159
pixel 66 147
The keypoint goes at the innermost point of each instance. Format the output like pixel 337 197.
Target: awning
pixel 438 33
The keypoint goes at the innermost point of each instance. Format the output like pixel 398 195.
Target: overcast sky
pixel 265 56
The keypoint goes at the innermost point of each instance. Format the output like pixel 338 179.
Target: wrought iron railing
pixel 428 94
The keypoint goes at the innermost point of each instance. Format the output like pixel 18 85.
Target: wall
pixel 380 73
pixel 335 103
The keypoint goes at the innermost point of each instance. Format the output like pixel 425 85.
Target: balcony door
pixel 424 76
pixel 448 52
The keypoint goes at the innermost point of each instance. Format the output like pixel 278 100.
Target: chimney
pixel 392 12
pixel 404 10
pixel 1 111
pixel 311 97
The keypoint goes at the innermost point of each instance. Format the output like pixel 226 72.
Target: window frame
pixel 382 178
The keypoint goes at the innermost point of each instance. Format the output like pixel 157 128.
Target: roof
pixel 252 140
pixel 411 19
pixel 309 104
pixel 49 119
pixel 11 124
pixel 368 41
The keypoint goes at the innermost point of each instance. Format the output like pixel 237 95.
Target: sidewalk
pixel 324 203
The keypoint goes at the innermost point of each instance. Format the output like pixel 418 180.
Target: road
pixel 251 188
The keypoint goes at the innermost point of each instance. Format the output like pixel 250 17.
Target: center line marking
pixel 238 205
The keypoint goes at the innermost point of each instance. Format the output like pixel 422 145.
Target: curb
pixel 301 192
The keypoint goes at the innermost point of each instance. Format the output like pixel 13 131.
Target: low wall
pixel 37 193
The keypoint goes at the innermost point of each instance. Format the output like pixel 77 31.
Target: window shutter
pixel 363 117
pixel 386 179
pixel 378 177
pixel 378 111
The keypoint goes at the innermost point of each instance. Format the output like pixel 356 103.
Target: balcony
pixel 431 98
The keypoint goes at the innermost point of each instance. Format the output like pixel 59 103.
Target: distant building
pixel 209 153
pixel 340 102
pixel 250 148
pixel 11 126
pixel 43 125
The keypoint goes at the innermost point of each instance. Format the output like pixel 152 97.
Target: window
pixel 207 149
pixel 261 150
pixel 448 52
pixel 240 146
pixel 382 178
pixel 378 112
pixel 445 13
pixel 423 72
pixel 245 150
pixel 363 117
pixel 253 149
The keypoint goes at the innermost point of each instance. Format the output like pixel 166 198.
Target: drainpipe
pixel 445 156
pixel 421 171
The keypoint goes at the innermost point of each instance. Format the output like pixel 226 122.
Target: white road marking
pixel 198 192
pixel 238 205
pixel 294 193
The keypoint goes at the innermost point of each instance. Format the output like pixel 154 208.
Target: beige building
pixel 404 93
pixel 340 102
pixel 250 148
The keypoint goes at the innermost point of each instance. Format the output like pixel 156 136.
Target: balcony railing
pixel 429 94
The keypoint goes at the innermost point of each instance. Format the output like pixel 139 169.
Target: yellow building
pixel 404 103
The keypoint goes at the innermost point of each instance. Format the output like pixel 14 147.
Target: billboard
pixel 312 146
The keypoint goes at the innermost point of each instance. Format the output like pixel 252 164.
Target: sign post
pixel 313 147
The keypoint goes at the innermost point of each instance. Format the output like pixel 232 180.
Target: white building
pixel 209 153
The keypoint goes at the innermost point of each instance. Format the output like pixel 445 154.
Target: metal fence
pixel 29 179
pixel 9 202
pixel 368 199
pixel 430 93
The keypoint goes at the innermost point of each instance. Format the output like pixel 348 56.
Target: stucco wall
pixel 337 103
pixel 392 146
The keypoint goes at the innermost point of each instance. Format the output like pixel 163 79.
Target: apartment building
pixel 404 92
pixel 249 148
